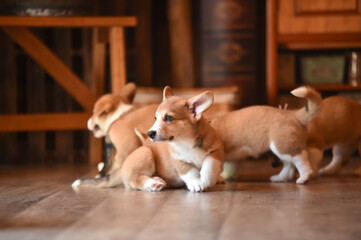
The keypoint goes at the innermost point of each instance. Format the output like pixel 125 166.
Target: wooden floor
pixel 40 204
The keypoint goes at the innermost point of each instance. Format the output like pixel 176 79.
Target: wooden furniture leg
pixel 117 58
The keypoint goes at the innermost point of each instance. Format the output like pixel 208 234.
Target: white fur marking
pixel 211 168
pixel 76 183
pixel 283 157
pixel 89 124
pixel 300 92
pixel 193 181
pixel 154 185
pixel 100 166
pixel 300 161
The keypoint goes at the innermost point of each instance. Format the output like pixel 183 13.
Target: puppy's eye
pixel 155 117
pixel 168 118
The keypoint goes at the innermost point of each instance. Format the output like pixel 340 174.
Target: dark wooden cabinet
pixel 231 46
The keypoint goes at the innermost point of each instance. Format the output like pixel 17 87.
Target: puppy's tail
pixel 108 181
pixel 314 99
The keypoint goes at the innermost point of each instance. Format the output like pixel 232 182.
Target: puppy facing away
pixel 115 117
pixel 185 150
pixel 252 131
pixel 337 126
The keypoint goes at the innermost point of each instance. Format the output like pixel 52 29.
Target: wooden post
pixel 143 38
pixel 181 43
pixel 99 40
pixel 117 59
pixel 271 52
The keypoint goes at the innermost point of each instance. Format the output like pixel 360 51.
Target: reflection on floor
pixel 38 203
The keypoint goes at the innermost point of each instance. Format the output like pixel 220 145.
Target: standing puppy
pixel 252 131
pixel 337 126
pixel 194 146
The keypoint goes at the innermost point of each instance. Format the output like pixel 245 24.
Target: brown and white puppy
pixel 148 168
pixel 194 144
pixel 115 117
pixel 252 131
pixel 337 126
pixel 189 151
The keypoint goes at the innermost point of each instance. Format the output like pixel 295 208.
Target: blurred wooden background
pixel 181 43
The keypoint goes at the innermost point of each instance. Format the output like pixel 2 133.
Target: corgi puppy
pixel 148 168
pixel 337 126
pixel 252 131
pixel 115 118
pixel 194 145
pixel 185 150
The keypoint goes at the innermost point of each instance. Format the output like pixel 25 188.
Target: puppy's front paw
pixel 154 184
pixel 196 185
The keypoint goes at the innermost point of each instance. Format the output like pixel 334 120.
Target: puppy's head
pixel 176 118
pixel 110 107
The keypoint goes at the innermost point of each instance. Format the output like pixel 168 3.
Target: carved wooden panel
pixel 322 7
pixel 318 16
pixel 229 52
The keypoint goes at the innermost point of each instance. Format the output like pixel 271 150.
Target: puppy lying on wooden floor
pixel 115 117
pixel 192 152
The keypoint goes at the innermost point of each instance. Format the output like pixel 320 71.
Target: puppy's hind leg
pixel 146 183
pixel 300 161
pixel 287 173
pixel 138 169
pixel 111 180
pixel 315 156
pixel 340 156
pixel 303 166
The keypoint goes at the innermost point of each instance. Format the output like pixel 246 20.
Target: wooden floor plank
pixel 289 211
pixel 188 215
pixel 121 216
pixel 40 204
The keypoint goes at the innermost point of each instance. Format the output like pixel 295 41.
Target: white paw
pixel 76 183
pixel 100 166
pixel 278 178
pixel 154 184
pixel 196 185
pixel 304 178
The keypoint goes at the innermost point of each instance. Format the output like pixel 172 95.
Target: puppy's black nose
pixel 152 134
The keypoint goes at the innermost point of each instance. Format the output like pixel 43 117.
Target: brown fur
pixel 337 126
pixel 154 165
pixel 115 117
pixel 252 131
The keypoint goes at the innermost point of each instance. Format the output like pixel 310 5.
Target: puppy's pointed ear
pixel 106 108
pixel 128 91
pixel 199 104
pixel 167 92
pixel 142 136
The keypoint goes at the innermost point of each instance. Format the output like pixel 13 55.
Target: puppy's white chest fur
pixel 189 152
